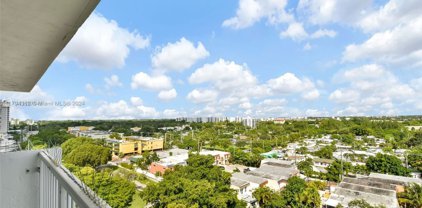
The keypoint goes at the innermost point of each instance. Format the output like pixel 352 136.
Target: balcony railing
pixel 45 184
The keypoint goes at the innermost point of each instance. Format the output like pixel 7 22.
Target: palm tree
pixel 264 196
pixel 411 197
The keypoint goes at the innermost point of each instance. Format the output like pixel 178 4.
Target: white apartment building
pixel 249 122
pixel 4 117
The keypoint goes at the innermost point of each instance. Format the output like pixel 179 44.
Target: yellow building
pixel 137 145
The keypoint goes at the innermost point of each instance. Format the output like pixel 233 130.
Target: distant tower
pixel 250 122
pixel 4 116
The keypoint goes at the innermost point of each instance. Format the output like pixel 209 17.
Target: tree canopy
pixel 388 164
pixel 297 193
pixel 85 152
pixel 115 190
pixel 199 184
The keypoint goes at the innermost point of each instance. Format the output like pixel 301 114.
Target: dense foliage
pixel 360 203
pixel 383 163
pixel 199 184
pixel 297 193
pixel 147 159
pixel 48 137
pixel 115 190
pixel 326 152
pixel 85 152
pixel 411 197
pixel 414 157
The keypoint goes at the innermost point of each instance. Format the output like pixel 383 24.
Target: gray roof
pixel 368 189
pixel 238 183
pixel 273 172
pixel 369 182
pixel 277 162
pixel 375 191
pixel 344 196
pixel 249 178
pixel 393 179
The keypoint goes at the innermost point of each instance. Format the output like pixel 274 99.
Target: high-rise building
pixel 4 117
pixel 250 122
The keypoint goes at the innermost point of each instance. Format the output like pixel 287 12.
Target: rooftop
pixel 393 179
pixel 238 183
pixel 249 178
pixel 273 172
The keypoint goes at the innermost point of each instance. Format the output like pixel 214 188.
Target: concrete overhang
pixel 32 35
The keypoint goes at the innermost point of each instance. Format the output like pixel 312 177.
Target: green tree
pixel 310 197
pixel 336 169
pixel 267 197
pixel 293 189
pixel 147 159
pixel 360 203
pixel 199 184
pixel 414 157
pixel 116 191
pixel 389 164
pixel 416 140
pixel 115 135
pixel 85 152
pixel 73 143
pixel 326 152
pixel 305 167
pixel 411 197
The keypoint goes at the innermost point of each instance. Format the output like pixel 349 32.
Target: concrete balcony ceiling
pixel 32 35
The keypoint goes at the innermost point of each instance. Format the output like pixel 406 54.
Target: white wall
pixel 19 179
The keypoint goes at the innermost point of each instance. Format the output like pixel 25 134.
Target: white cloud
pixel 289 83
pixel 401 45
pixel 36 94
pixel 392 14
pixel 167 94
pixel 344 96
pixel 273 102
pixel 154 82
pixel 136 101
pixel 315 113
pixel 307 47
pixel 245 105
pixel 173 113
pixel 90 88
pixel 112 81
pixel 312 94
pixel 71 112
pixel 333 11
pixel 224 75
pixel 417 84
pixel 323 33
pixel 122 110
pixel 178 56
pixel 202 96
pixel 295 31
pixel 68 112
pixel 371 86
pixel 250 12
pixel 102 43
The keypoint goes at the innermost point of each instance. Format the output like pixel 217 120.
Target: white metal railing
pixel 61 189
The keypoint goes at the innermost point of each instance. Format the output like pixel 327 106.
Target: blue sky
pixel 259 58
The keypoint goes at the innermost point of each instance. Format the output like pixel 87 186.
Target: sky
pixel 137 59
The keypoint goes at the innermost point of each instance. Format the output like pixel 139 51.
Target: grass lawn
pixel 137 201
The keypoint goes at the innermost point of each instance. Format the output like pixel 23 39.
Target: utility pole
pixel 251 144
pixel 341 162
pixel 165 141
